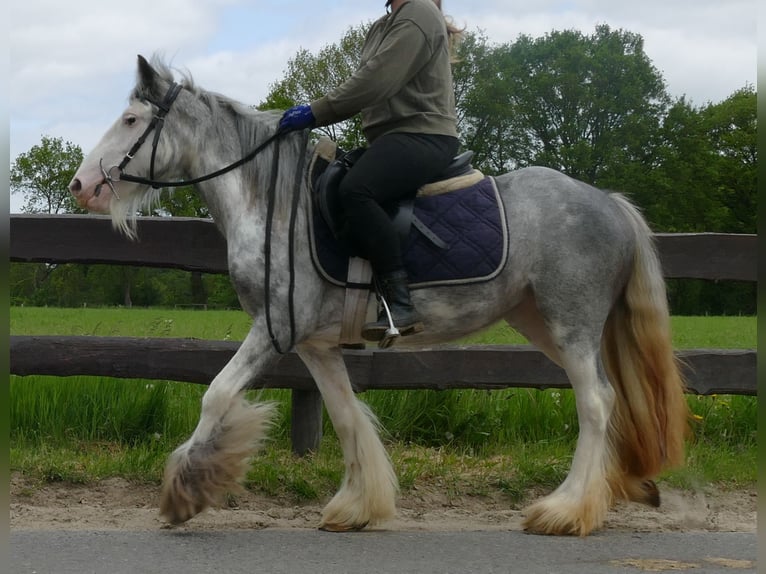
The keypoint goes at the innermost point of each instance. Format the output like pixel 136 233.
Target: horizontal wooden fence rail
pixel 196 245
pixel 707 371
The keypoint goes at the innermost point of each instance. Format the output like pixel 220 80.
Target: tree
pixel 309 77
pixel 580 104
pixel 705 180
pixel 43 175
pixel 730 127
pixel 679 195
pixel 704 172
pixel 484 123
pixel 183 202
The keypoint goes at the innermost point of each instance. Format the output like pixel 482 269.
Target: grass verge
pixel 464 442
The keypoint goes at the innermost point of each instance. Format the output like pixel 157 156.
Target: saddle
pixel 327 174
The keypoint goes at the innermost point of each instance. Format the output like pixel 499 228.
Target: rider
pixel 404 91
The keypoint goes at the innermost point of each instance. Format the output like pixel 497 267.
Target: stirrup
pixel 392 333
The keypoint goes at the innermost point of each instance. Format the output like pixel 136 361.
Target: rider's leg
pixel 394 166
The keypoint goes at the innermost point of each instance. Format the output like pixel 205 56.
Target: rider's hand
pixel 297 118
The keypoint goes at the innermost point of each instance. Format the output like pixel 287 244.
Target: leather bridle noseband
pixel 157 123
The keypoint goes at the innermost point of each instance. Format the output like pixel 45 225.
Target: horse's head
pixel 131 143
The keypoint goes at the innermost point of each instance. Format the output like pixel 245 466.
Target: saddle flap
pixel 327 184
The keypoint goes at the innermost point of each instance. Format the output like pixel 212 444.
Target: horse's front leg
pixel 215 459
pixel 367 494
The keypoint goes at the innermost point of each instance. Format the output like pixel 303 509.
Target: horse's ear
pixel 146 74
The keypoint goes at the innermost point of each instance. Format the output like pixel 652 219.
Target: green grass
pixel 222 325
pixel 79 429
pixel 688 332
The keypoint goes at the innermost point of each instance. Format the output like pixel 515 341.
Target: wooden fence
pixel 196 245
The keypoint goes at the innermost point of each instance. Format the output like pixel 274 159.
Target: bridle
pixel 156 125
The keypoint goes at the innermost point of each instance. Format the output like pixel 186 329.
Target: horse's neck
pixel 223 197
pixel 239 201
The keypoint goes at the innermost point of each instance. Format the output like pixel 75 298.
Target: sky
pixel 73 64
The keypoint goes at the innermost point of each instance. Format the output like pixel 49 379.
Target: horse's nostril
pixel 75 186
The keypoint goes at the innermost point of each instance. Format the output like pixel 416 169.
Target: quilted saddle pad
pixel 471 221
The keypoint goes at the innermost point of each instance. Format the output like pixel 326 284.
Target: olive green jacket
pixel 404 82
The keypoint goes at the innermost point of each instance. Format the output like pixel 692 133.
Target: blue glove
pixel 297 118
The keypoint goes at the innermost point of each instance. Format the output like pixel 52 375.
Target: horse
pixel 582 283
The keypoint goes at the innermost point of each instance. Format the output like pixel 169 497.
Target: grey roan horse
pixel 582 283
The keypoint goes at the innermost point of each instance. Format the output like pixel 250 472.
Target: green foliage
pixel 732 420
pixel 182 202
pixel 43 174
pixel 309 77
pixel 688 332
pixel 705 173
pixel 485 123
pixel 731 127
pixel 568 101
pixel 699 297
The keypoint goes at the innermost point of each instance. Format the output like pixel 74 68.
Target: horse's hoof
pixel 343 527
pixel 559 515
pixel 650 494
pixel 178 518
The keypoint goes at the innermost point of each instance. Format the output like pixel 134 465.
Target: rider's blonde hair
pixel 455 33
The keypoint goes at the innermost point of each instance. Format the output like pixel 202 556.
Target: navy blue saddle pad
pixel 471 221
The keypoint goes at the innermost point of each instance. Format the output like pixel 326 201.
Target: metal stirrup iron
pixel 392 333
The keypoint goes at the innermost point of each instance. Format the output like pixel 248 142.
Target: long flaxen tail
pixel 650 421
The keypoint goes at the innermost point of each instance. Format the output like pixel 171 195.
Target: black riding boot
pixel 394 289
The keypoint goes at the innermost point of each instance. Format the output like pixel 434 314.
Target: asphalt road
pixel 315 552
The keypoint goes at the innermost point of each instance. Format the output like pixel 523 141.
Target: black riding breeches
pixel 393 167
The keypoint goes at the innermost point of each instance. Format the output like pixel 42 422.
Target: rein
pixel 291 247
pixel 157 123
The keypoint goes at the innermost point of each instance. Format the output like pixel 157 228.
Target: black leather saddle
pixel 326 183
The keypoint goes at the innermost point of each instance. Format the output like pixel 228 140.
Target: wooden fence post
pixel 306 416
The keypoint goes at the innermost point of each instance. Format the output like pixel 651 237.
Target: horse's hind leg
pixel 526 319
pixel 579 505
pixel 367 494
pixel 214 460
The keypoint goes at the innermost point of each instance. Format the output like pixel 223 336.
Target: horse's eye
pixel 130 120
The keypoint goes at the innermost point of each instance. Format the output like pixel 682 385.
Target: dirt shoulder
pixel 117 504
